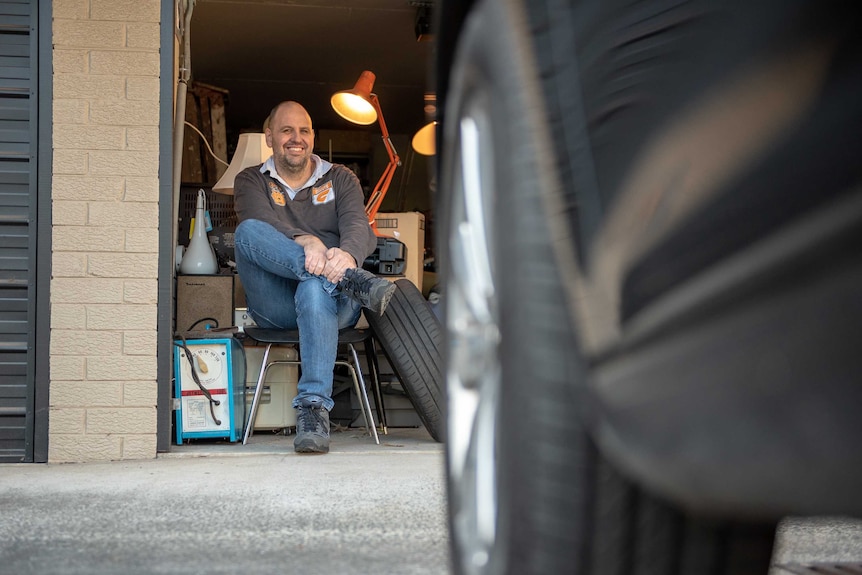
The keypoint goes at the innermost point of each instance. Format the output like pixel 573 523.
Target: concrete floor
pixel 221 508
pixel 801 542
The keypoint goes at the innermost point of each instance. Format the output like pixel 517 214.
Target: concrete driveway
pixel 226 508
pixel 219 508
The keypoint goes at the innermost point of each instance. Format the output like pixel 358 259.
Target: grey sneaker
pixel 369 290
pixel 312 428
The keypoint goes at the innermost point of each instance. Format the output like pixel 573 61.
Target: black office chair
pixel 347 357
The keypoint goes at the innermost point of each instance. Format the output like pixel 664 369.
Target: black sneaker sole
pixel 385 297
pixel 310 446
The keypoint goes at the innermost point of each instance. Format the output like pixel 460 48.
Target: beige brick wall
pixel 105 230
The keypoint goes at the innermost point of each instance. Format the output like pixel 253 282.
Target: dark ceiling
pixel 265 51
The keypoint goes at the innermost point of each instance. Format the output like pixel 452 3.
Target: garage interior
pixel 245 56
pixel 248 55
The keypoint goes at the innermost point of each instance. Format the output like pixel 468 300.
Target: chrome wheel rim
pixel 473 335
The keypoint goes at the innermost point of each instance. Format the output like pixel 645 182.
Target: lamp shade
pixel 425 140
pixel 251 150
pixel 355 105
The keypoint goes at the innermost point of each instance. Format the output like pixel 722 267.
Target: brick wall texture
pixel 105 230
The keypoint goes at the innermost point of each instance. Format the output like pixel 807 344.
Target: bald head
pixel 287 104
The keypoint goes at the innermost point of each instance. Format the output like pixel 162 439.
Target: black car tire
pixel 559 506
pixel 411 337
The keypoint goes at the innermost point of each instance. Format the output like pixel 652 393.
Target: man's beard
pixel 293 167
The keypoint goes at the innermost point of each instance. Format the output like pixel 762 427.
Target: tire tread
pixel 411 337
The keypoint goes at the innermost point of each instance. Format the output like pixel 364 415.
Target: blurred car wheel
pixel 528 492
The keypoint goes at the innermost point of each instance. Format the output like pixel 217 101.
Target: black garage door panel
pixel 18 201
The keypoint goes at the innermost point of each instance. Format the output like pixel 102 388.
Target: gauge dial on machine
pixel 209 362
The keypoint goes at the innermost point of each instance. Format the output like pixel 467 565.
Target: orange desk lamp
pixel 361 106
pixel 425 140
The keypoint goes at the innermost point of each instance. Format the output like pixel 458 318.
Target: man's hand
pixel 338 261
pixel 315 253
pixel 330 263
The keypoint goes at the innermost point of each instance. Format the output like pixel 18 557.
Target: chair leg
pixel 357 388
pixel 252 412
pixel 374 369
pixel 363 396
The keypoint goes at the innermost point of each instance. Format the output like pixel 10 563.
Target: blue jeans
pixel 281 294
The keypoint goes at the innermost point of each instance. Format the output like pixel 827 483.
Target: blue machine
pixel 212 398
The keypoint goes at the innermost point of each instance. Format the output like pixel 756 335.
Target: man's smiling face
pixel 291 137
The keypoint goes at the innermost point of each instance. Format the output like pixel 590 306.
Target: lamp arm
pixel 377 195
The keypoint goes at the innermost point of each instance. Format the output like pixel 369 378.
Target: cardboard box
pixel 407 227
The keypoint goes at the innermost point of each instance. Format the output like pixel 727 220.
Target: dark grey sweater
pixel 332 209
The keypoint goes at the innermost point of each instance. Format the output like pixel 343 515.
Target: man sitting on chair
pixel 302 237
